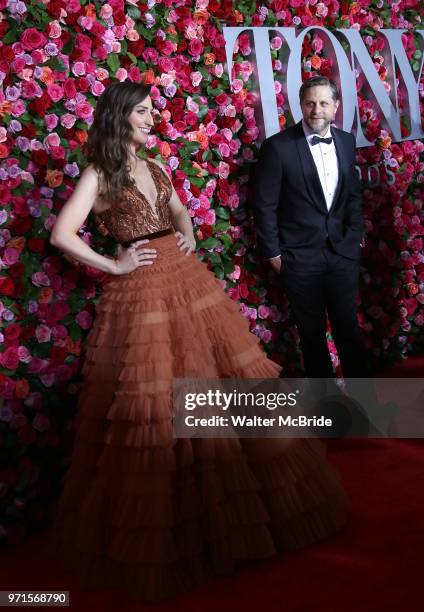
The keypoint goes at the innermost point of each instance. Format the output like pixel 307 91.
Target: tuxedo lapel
pixel 309 169
pixel 338 143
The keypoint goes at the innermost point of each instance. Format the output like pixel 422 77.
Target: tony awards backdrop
pixel 224 76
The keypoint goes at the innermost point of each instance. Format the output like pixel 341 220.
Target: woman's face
pixel 141 120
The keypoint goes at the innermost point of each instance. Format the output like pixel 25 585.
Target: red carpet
pixel 374 565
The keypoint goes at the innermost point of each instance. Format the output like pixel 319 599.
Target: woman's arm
pixel 65 237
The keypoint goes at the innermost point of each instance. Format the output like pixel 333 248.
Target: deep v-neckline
pixel 153 207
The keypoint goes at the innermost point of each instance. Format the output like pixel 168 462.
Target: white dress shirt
pixel 325 158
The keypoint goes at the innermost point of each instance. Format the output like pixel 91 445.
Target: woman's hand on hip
pixel 134 257
pixel 185 243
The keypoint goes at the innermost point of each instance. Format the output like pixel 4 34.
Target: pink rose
pixel 43 333
pixel 224 150
pixel 40 279
pixel 235 274
pixel 52 140
pixel 54 30
pixel 78 68
pixel 121 74
pixel 51 121
pixel 67 120
pixel 30 90
pixel 195 47
pixel 84 319
pixel 263 311
pixel 10 256
pixel 32 39
pixel 97 88
pixel 83 110
pixel 18 108
pixel 9 359
pixel 24 354
pixel 223 170
pixel 55 92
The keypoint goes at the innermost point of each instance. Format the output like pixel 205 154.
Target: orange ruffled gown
pixel 156 515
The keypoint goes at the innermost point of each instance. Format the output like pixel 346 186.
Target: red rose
pixel 12 331
pixel 7 54
pixel 82 84
pixel 7 286
pixel 17 270
pixel 33 39
pixel 119 18
pixel 221 99
pixel 59 353
pixel 37 245
pixel 69 88
pixel 39 157
pixel 136 47
pixel 195 47
pixel 22 225
pixel 97 29
pixel 9 359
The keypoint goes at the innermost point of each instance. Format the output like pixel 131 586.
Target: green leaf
pixel 113 62
pixel 209 243
pixel 10 37
pixel 197 181
pixel 222 213
pixel 132 57
pixel 222 226
pixel 219 272
pixel 133 12
pixel 75 331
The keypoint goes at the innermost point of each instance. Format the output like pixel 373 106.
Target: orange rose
pixel 5 108
pixel 54 178
pixel 22 388
pixel 209 59
pixel 17 243
pixel 201 16
pixel 282 120
pixel 238 16
pixel 413 288
pixel 73 347
pixel 315 62
pixel 90 11
pixel 46 294
pixel 165 149
pixel 46 75
pixel 81 136
pixel 148 77
pixel 203 139
pixel 384 143
pixel 354 8
pixel 4 151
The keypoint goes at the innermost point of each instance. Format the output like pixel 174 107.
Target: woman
pixel 140 509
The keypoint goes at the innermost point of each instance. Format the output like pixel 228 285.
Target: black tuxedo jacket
pixel 289 205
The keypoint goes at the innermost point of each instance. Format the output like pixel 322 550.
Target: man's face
pixel 318 108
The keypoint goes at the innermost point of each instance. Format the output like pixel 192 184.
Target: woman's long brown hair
pixel 110 134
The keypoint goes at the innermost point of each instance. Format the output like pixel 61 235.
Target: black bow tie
pixel 316 139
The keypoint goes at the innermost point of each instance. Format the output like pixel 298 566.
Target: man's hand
pixel 276 263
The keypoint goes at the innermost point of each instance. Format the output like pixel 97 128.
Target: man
pixel 309 226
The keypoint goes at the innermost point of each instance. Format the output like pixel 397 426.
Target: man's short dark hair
pixel 315 81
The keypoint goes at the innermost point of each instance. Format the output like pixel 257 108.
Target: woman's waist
pixel 150 236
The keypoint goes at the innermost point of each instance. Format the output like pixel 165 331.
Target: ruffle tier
pixel 155 515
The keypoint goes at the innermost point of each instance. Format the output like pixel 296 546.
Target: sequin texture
pixel 133 216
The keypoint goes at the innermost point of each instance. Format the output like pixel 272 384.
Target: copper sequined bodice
pixel 133 216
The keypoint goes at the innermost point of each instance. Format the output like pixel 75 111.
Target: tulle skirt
pixel 155 515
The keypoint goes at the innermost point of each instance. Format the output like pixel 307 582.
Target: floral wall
pixel 56 58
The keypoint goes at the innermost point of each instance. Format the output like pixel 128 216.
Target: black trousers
pixel 322 284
